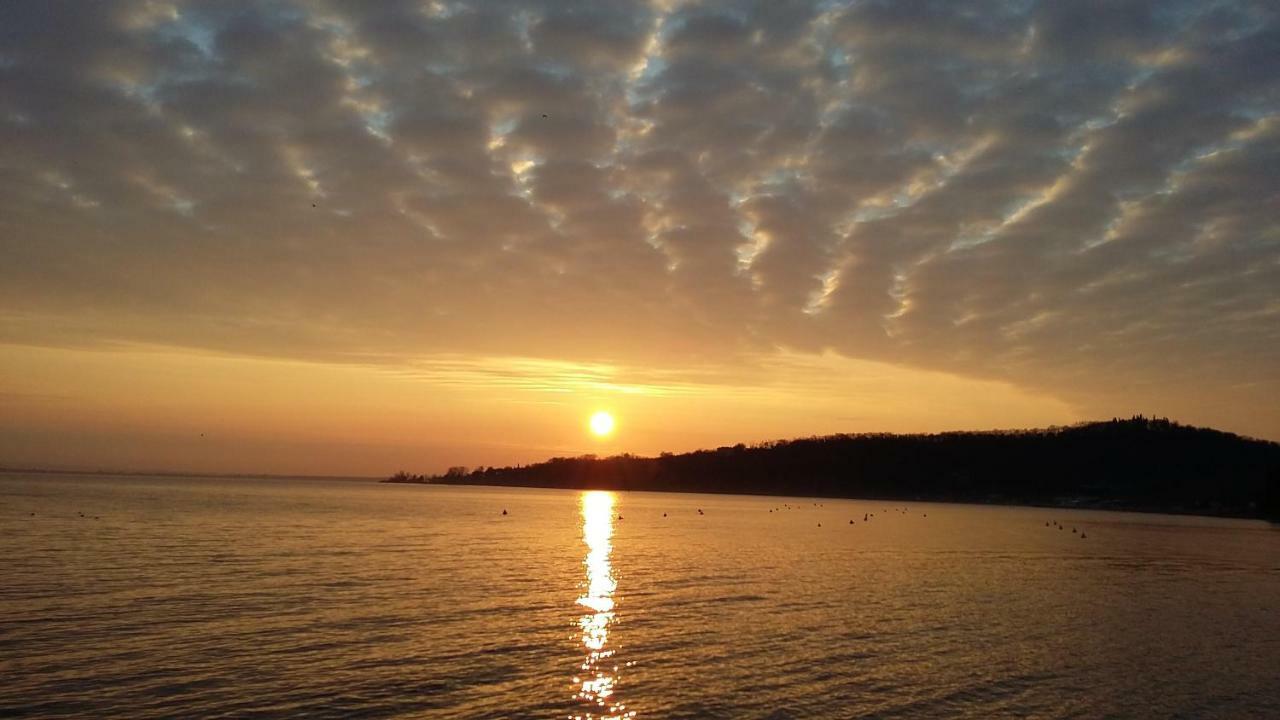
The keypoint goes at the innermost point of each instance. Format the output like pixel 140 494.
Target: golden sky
pixel 161 408
pixel 348 238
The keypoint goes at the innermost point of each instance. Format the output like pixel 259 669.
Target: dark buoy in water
pixel 1083 536
pixel 504 511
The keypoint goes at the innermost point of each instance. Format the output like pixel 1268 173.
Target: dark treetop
pixel 1135 464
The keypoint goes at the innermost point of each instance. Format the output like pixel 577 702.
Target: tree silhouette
pixel 1140 463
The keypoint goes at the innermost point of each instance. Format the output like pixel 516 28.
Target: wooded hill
pixel 1135 464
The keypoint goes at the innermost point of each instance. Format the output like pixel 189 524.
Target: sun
pixel 601 424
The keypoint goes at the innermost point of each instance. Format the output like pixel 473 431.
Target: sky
pixel 349 238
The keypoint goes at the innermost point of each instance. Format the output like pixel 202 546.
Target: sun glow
pixel 601 424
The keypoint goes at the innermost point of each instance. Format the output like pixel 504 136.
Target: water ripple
pixel 241 598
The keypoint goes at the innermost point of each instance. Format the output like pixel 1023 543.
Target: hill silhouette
pixel 1144 464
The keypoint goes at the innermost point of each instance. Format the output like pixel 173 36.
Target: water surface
pixel 264 598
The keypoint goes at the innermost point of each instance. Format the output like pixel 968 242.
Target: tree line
pixel 1137 463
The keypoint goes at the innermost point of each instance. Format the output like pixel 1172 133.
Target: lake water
pixel 188 597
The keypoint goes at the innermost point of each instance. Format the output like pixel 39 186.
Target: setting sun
pixel 601 424
pixel 913 357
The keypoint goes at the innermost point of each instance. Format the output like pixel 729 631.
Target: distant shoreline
pixel 1145 465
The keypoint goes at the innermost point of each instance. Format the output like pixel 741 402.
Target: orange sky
pixel 349 238
pixel 156 408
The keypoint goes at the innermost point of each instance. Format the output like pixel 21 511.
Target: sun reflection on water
pixel 598 677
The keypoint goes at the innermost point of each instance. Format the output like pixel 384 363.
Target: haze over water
pixel 230 598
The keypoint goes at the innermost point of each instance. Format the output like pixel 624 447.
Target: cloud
pixel 1079 198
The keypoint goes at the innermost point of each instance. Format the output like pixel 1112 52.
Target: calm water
pixel 239 598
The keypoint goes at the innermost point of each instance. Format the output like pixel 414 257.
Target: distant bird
pixel 700 511
pixel 1061 528
pixel 864 517
pixel 819 524
pixel 619 516
pixel 1046 524
pixel 544 114
pixel 664 514
pixel 850 522
pixel 1083 536
pixel 926 514
pixel 504 511
pixel 1074 531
